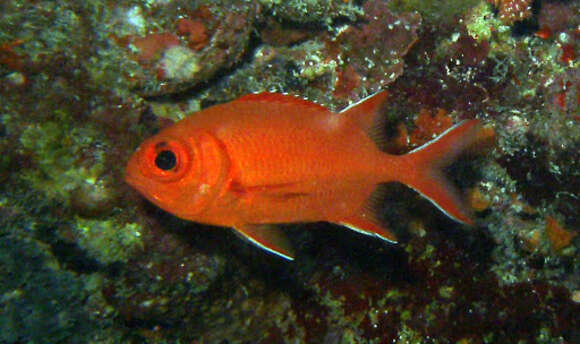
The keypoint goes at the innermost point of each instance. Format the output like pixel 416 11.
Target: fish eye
pixel 166 160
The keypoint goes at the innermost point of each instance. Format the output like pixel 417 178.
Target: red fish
pixel 270 158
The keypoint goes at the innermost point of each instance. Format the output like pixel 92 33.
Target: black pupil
pixel 166 160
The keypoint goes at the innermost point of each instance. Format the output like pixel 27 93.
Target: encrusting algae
pixel 84 258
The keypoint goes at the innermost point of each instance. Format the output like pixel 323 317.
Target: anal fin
pixel 267 237
pixel 366 223
pixel 366 220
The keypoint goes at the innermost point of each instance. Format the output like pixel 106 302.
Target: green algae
pixel 408 335
pixel 40 303
pixel 56 147
pixel 63 154
pixel 483 25
pixel 108 240
pixel 312 11
pixel 439 11
pixel 315 65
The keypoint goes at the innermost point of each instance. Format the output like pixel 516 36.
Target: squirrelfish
pixel 270 158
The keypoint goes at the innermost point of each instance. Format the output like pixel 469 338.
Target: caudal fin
pixel 424 168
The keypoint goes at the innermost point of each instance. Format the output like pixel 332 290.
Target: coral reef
pixel 39 303
pixel 191 50
pixel 511 11
pixel 315 12
pixel 85 259
pixel 363 61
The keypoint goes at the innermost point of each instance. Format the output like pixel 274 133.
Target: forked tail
pixel 424 169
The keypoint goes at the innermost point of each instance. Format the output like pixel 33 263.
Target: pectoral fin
pixel 267 237
pixel 274 192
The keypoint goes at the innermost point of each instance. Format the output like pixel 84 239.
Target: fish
pixel 269 158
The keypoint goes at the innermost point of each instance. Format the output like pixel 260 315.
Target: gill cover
pixel 182 176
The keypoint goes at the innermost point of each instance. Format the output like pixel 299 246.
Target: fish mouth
pixel 132 181
pixel 139 186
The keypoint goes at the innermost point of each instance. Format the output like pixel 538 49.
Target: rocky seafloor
pixel 85 259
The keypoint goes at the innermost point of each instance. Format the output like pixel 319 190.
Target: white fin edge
pixel 265 248
pixel 436 139
pixel 358 230
pixel 438 207
pixel 360 101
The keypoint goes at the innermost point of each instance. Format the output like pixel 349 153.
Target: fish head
pixel 181 171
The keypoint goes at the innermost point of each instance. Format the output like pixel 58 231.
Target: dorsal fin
pixel 368 114
pixel 280 98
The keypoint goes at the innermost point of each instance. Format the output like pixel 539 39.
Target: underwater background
pixel 86 259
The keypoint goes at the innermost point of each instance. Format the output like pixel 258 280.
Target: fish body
pixel 269 158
